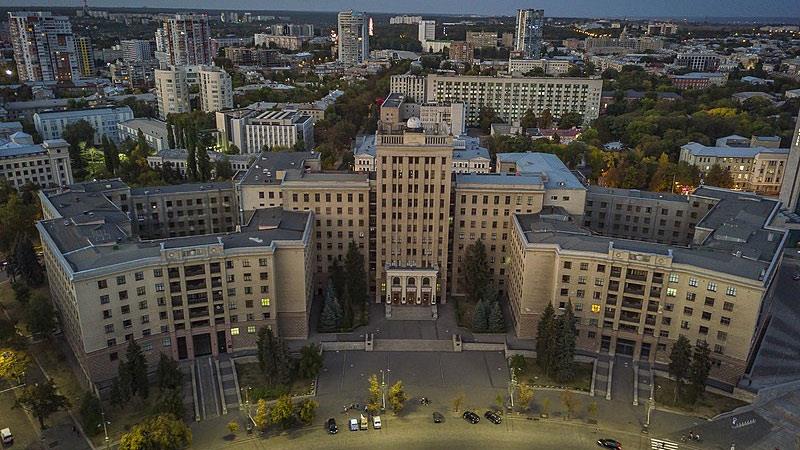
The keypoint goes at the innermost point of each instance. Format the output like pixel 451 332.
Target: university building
pixel 200 277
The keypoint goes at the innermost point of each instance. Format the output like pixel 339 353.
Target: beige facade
pixel 186 297
pixel 216 90
pixel 413 172
pixel 636 298
pixel 755 169
pixel 172 91
pixel 46 164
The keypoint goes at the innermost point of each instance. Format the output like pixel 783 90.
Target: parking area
pixel 480 376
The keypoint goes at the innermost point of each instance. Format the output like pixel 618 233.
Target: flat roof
pixel 553 171
pixel 698 149
pixel 636 193
pixel 499 179
pixel 264 168
pixel 393 100
pixel 84 112
pixel 152 127
pixel 183 188
pixel 740 242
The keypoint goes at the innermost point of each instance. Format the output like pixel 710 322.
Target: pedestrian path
pixel 662 444
pixel 229 385
pixel 644 382
pixel 601 381
pixel 208 390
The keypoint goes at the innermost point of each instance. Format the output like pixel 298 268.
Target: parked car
pixel 438 417
pixel 493 417
pixel 6 437
pixel 353 424
pixel 471 417
pixel 609 443
pixel 376 422
pixel 330 425
pixel 363 423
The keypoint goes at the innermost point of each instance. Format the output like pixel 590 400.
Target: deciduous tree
pixel 163 432
pixel 397 397
pixel 13 364
pixel 307 411
pixel 525 394
pixel 40 316
pixel 42 400
pixel 282 411
pixel 261 419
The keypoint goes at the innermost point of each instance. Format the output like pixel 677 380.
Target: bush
pixel 91 417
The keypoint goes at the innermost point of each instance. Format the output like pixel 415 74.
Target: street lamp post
pixel 383 390
pixel 105 428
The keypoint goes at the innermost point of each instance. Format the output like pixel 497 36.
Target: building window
pixel 140 290
pixel 102 284
pixel 166 342
pixel 567 265
pixel 251 329
pixel 693 282
pixel 673 278
pixel 584 266
pixel 725 320
pixel 139 276
pixel 727 306
pixel 730 290
pixel 672 292
pixel 265 301
pixel 719 349
pixel 158 273
pixel 120 280
pixel 712 286
pixel 706 315
pixel 235 331
pixel 722 336
pixel 703 330
pixel 688 311
pixel 104 299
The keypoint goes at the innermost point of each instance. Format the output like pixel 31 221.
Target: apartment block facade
pixel 353 37
pixel 172 91
pixel 44 46
pixel 216 89
pixel 186 39
pixel 511 97
pixel 46 164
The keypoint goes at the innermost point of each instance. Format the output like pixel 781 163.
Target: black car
pixel 609 443
pixel 471 417
pixel 438 417
pixel 493 417
pixel 331 426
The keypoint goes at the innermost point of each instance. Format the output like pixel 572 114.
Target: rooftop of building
pixel 698 149
pixel 554 173
pixel 98 185
pixel 636 193
pixel 93 233
pixel 499 179
pixel 20 146
pixel 740 242
pixel 699 75
pixel 182 154
pixel 267 164
pixel 338 177
pixel 84 112
pixel 151 127
pixel 393 100
pixel 185 188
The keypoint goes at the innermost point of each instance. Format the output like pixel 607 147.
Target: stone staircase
pixel 412 345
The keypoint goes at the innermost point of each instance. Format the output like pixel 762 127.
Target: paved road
pixel 418 431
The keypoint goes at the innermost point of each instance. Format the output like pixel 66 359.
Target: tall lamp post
pixel 105 428
pixel 383 389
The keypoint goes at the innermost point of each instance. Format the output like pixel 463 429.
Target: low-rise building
pixel 104 120
pixel 699 80
pixel 554 67
pixel 756 169
pixel 46 164
pixel 247 56
pixel 154 131
pixel 251 130
pixel 176 159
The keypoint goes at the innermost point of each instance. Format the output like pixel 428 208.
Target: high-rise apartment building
pixel 353 37
pixel 172 91
pixel 462 51
pixel 528 37
pixel 85 56
pixel 427 31
pixel 186 39
pixel 136 50
pixel 44 46
pixel 216 90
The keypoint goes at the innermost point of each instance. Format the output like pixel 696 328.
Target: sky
pixel 789 9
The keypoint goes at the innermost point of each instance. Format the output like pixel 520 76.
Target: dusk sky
pixel 573 8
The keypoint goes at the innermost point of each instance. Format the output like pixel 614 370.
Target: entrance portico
pixel 411 287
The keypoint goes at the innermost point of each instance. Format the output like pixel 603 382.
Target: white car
pixel 6 437
pixel 353 424
pixel 376 422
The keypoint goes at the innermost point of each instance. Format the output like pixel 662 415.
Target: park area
pixel 253 379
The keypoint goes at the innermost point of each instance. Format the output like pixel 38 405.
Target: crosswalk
pixel 661 444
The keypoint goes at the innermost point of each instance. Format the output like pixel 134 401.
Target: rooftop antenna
pixel 86 7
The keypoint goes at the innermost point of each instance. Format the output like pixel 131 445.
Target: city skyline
pixel 786 10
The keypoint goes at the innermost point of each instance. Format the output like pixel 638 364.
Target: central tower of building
pixel 413 215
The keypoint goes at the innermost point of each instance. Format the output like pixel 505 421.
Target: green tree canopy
pixel 162 432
